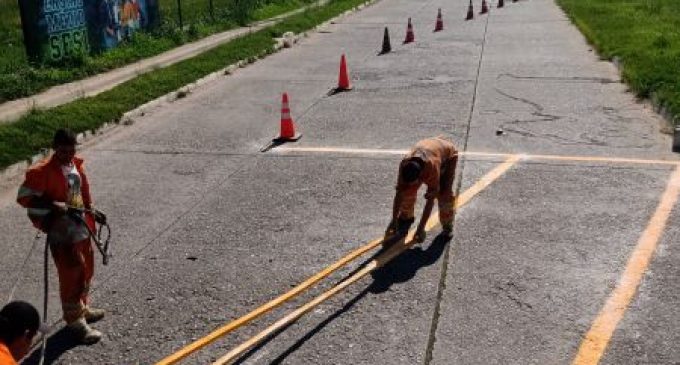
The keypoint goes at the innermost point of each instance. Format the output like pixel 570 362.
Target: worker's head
pixel 19 322
pixel 64 145
pixel 410 172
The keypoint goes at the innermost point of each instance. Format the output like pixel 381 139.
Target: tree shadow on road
pixel 57 345
pixel 401 269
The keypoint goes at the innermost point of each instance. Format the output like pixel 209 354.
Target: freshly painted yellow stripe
pixel 597 339
pixel 374 151
pixel 603 159
pixel 486 180
pixel 465 197
pixel 370 151
pixel 379 261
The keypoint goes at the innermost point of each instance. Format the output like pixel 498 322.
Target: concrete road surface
pixel 568 256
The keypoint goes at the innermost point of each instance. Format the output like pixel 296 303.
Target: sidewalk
pixel 65 93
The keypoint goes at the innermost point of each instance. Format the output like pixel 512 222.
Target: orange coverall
pixel 6 356
pixel 440 158
pixel 72 251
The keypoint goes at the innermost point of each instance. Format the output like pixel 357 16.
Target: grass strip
pixel 19 78
pixel 26 137
pixel 644 35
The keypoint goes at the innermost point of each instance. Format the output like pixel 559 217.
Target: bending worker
pixel 431 162
pixel 19 323
pixel 54 191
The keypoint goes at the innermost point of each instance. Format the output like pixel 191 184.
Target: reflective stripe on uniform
pixel 25 192
pixel 39 212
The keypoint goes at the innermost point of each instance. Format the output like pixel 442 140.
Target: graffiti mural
pixel 58 30
pixel 119 19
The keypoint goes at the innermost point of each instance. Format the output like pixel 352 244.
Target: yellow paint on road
pixel 377 151
pixel 464 198
pixel 619 160
pixel 597 339
pixel 379 261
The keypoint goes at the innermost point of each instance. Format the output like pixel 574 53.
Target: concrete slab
pixel 528 273
pixel 648 332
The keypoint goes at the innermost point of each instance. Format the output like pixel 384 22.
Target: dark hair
pixel 15 319
pixel 64 137
pixel 411 171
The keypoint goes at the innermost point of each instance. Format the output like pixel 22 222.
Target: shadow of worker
pixel 57 344
pixel 405 266
pixel 401 269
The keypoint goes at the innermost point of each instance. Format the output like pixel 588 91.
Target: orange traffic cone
pixel 287 133
pixel 343 78
pixel 501 3
pixel 410 37
pixel 485 7
pixel 470 13
pixel 439 26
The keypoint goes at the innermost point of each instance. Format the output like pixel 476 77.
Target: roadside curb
pixel 128 118
pixel 654 103
pixel 671 122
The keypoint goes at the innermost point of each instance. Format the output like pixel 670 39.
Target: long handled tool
pixel 101 244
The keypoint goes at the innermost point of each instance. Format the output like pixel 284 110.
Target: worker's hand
pixel 391 228
pixel 59 209
pixel 420 236
pixel 99 216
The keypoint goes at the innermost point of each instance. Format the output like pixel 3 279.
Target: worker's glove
pixel 99 216
pixel 420 236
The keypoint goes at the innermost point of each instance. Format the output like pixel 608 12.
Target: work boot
pixel 84 333
pixel 94 314
pixel 447 229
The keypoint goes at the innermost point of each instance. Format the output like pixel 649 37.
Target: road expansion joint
pixel 429 350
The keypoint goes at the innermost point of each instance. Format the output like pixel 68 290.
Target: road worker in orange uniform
pixel 54 190
pixel 431 162
pixel 19 322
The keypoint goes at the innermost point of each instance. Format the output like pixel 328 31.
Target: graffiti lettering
pixel 66 20
pixel 68 44
pixel 51 6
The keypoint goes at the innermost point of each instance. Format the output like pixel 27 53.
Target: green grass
pixel 19 79
pixel 278 7
pixel 643 34
pixel 24 138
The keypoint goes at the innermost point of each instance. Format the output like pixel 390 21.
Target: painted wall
pixel 58 30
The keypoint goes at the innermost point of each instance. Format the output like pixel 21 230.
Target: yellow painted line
pixel 377 151
pixel 465 197
pixel 233 325
pixel 379 261
pixel 597 339
pixel 366 151
pixel 374 151
pixel 603 159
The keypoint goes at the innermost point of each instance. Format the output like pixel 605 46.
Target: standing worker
pixel 57 195
pixel 19 323
pixel 431 162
